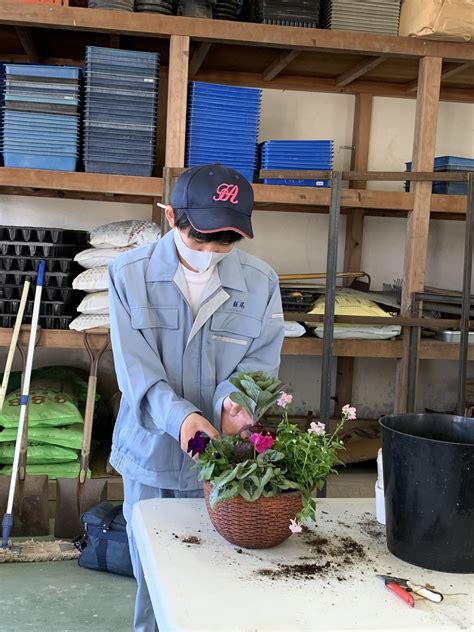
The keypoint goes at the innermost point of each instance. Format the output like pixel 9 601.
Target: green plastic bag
pixel 52 402
pixel 14 382
pixel 38 454
pixel 67 437
pixel 52 470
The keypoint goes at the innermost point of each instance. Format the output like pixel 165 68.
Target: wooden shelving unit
pixel 305 346
pixel 362 64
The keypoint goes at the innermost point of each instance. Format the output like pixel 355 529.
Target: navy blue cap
pixel 215 198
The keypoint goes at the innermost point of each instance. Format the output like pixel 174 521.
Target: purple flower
pixel 198 443
pixel 261 442
pixel 295 527
pixel 285 399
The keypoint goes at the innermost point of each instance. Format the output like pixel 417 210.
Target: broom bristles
pixel 32 551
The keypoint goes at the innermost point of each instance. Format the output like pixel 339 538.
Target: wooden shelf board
pixel 429 349
pixel 305 346
pixel 80 185
pixel 104 187
pixel 240 52
pixel 102 21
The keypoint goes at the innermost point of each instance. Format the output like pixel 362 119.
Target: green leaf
pixel 243 400
pixel 226 477
pixel 251 389
pixel 267 476
pixel 249 468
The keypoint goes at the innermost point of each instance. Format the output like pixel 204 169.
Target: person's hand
pixel 192 424
pixel 233 417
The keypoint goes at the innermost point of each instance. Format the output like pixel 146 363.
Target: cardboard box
pixel 451 20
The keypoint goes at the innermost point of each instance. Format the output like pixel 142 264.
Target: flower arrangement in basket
pixel 259 484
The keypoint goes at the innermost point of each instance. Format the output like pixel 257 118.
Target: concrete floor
pixel 62 597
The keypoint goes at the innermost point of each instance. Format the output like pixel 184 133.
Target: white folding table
pixel 199 582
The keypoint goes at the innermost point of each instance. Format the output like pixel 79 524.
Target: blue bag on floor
pixel 104 545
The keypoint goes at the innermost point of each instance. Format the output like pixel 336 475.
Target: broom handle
pixel 13 343
pixel 25 389
pixel 319 275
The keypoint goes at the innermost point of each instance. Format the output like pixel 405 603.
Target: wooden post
pixel 160 153
pixel 354 230
pixel 424 142
pixel 177 101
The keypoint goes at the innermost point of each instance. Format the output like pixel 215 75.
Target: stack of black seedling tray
pixel 226 9
pixel 114 5
pixel 21 250
pixel 303 13
pixel 164 7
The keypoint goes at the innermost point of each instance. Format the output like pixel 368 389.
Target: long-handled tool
pixel 31 510
pixel 13 343
pixel 77 495
pixel 356 284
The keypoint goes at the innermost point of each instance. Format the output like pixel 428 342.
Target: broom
pixel 29 551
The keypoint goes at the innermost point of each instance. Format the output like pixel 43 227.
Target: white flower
pixel 317 428
pixel 349 412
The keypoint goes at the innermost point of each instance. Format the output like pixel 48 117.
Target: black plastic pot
pixel 428 466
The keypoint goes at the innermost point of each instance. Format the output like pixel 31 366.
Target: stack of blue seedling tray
pixel 223 126
pixel 305 155
pixel 41 117
pixel 2 102
pixel 21 250
pixel 121 93
pixel 448 163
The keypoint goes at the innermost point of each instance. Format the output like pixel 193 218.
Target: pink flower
pixel 261 442
pixel 285 399
pixel 349 412
pixel 295 527
pixel 317 428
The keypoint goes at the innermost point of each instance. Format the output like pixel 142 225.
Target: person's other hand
pixel 233 417
pixel 192 424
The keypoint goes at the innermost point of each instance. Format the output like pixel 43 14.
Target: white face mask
pixel 197 259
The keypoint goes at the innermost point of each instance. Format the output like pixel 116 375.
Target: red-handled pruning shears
pixel 405 589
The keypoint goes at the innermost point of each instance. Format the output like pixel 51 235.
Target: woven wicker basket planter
pixel 258 525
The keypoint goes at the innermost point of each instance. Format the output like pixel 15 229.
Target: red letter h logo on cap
pixel 227 192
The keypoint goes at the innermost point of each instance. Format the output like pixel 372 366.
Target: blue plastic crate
pixel 297 183
pixel 43 70
pixel 450 188
pixel 129 169
pixel 445 163
pixel 39 161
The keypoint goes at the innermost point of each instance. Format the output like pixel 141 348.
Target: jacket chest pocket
pixel 236 329
pixel 152 317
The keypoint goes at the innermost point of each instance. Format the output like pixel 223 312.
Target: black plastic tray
pixel 28 264
pixel 12 292
pixel 39 234
pixel 47 308
pixel 47 322
pixel 39 249
pixel 302 303
pixel 51 279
